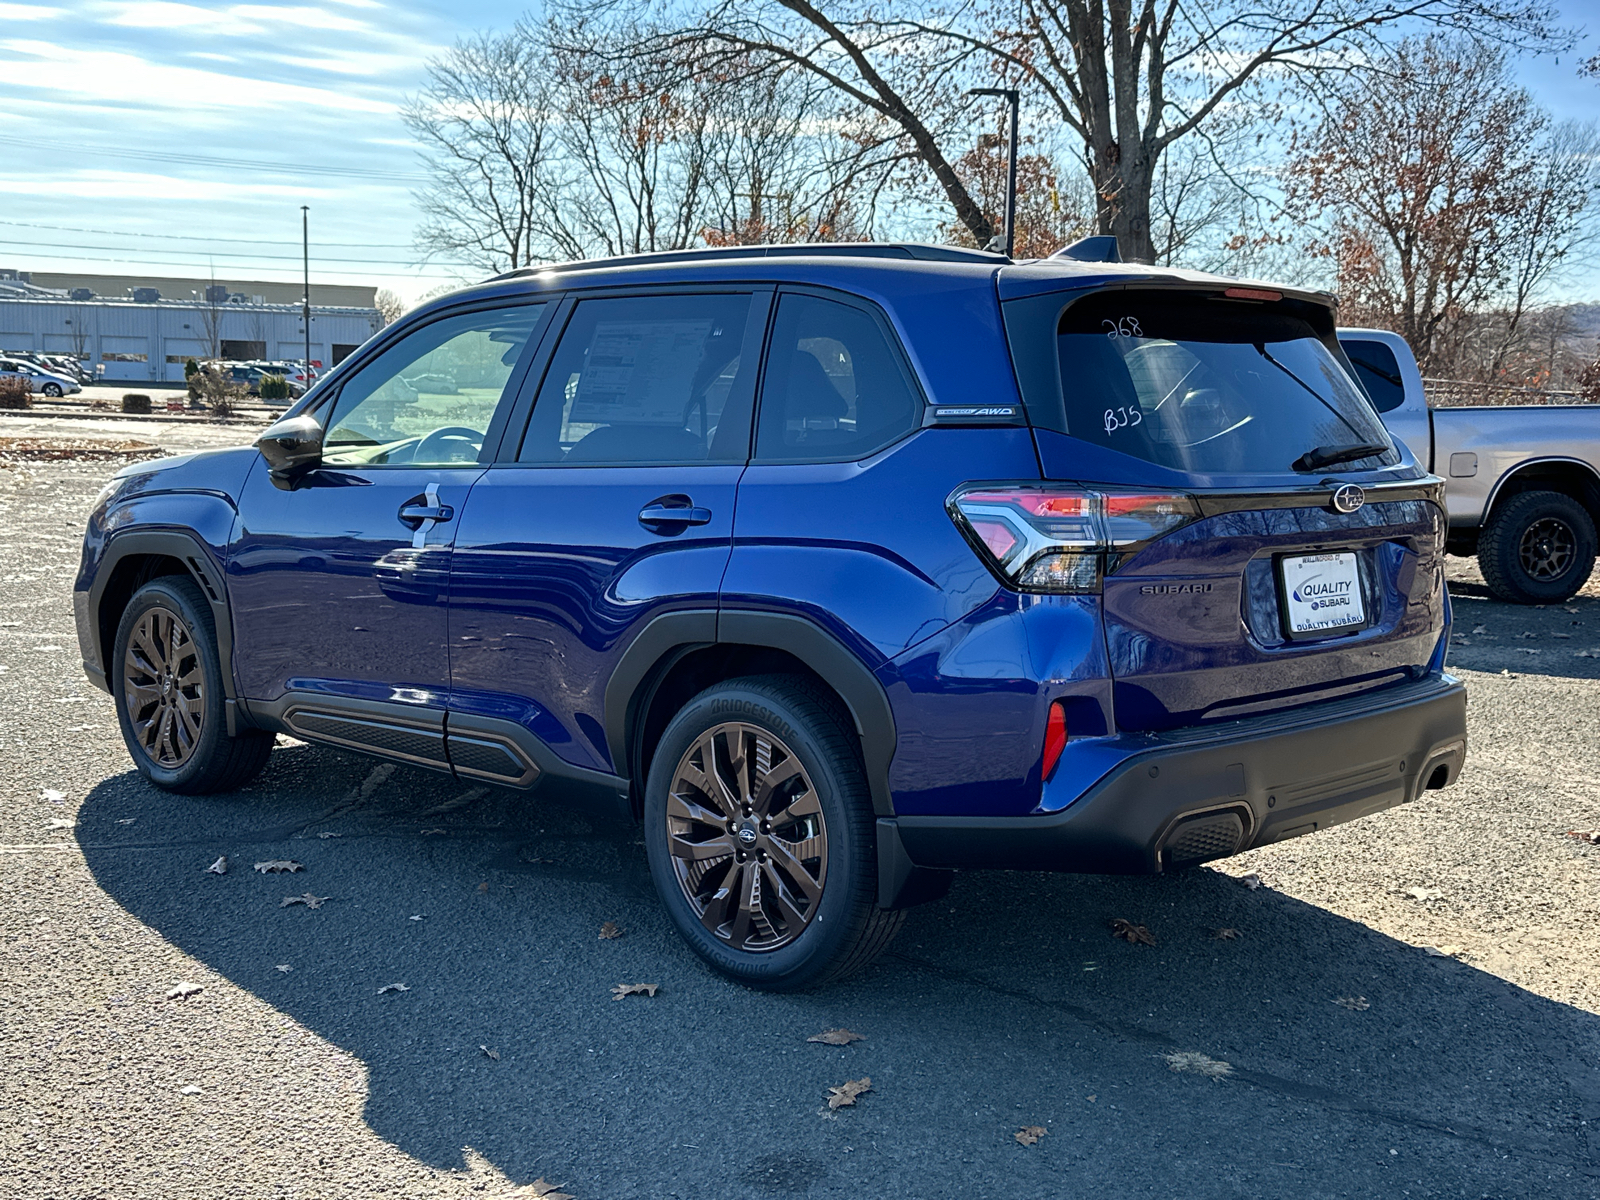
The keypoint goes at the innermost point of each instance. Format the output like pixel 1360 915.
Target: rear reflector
pixel 1244 293
pixel 1055 738
pixel 1050 538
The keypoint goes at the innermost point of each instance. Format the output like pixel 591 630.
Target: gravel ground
pixel 1008 1005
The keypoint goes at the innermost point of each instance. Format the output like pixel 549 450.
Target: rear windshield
pixel 1211 386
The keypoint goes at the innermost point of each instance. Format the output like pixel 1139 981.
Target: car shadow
pixel 1560 641
pixel 1345 1061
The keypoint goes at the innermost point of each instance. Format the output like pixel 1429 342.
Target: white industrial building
pixel 146 335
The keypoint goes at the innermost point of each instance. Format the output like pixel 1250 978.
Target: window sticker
pixel 639 372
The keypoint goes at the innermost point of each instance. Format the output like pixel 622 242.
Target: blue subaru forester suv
pixel 839 568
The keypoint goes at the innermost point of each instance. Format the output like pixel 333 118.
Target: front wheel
pixel 53 390
pixel 1537 548
pixel 760 835
pixel 167 682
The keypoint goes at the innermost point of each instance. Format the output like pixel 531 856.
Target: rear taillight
pixel 1044 538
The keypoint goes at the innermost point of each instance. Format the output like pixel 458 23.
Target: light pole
pixel 1011 97
pixel 305 300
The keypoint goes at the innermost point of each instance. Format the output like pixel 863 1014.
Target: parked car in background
pixel 45 383
pixel 835 567
pixel 294 373
pixel 1522 482
pixel 251 376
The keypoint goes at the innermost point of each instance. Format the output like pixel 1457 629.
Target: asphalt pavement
pixel 1316 1049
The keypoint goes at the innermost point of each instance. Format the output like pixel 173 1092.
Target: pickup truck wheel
pixel 1537 548
pixel 167 682
pixel 760 835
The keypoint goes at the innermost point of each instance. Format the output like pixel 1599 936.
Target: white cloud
pixel 111 75
pixel 30 12
pixel 139 185
pixel 233 21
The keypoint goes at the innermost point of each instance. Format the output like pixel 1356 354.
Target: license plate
pixel 1321 594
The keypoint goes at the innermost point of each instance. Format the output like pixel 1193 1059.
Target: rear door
pixel 612 503
pixel 1286 586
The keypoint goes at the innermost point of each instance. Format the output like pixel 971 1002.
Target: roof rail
pixel 902 250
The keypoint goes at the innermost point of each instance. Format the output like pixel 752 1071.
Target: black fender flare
pixel 188 550
pixel 671 635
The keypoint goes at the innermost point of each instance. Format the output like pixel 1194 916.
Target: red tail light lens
pixel 1055 739
pixel 1044 538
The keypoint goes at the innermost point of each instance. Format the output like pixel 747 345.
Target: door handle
pixel 427 514
pixel 662 514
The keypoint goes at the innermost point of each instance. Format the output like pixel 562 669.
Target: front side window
pixel 427 400
pixel 646 380
pixel 835 390
pixel 1212 387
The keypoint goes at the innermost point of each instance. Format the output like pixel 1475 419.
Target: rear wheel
pixel 167 682
pixel 760 835
pixel 1537 548
pixel 53 390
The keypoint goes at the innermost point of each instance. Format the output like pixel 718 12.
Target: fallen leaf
pixel 1092 1099
pixel 488 1053
pixel 325 836
pixel 308 900
pixel 51 796
pixel 1528 650
pixel 1586 654
pixel 1029 1135
pixel 1479 629
pixel 1565 637
pixel 610 931
pixel 393 987
pixel 220 867
pixel 1526 634
pixel 484 886
pixel 62 822
pixel 182 991
pixel 189 1089
pixel 429 832
pixel 279 866
pixel 1422 893
pixel 1129 932
pixel 1354 1003
pixel 633 989
pixel 1251 881
pixel 845 1094
pixel 542 1189
pixel 837 1037
pixel 1224 935
pixel 1442 951
pixel 284 967
pixel 1592 837
pixel 1191 1062
pixel 418 917
pixel 126 820
pixel 1569 610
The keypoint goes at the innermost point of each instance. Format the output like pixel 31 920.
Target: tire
pixel 822 788
pixel 53 390
pixel 166 678
pixel 1537 548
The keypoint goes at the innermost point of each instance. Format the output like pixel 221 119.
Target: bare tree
pixel 1129 78
pixel 1429 179
pixel 389 305
pixel 483 120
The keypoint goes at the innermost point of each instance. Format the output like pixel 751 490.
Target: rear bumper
pixel 1194 794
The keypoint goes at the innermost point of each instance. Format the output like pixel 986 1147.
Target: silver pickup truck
pixel 1522 482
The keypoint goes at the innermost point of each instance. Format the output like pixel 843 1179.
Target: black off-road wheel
pixel 1537 548
pixel 760 835
pixel 166 678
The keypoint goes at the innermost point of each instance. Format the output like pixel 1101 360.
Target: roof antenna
pixel 1102 248
pixel 1008 240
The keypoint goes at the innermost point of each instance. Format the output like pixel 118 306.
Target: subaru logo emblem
pixel 1348 498
pixel 747 835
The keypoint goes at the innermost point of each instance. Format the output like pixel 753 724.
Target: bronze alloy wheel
pixel 747 838
pixel 163 687
pixel 1547 549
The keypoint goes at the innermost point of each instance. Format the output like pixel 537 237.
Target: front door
pixel 339 583
pixel 614 506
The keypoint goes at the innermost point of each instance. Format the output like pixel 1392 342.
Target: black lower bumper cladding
pixel 1201 793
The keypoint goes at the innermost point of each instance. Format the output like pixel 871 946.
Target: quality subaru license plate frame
pixel 1296 612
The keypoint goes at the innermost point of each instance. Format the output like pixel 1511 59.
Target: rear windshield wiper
pixel 1328 456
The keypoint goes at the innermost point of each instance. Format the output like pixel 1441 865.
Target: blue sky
pixel 172 138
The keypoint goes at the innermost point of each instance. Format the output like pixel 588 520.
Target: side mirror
pixel 291 446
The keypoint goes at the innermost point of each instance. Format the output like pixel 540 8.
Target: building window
pixel 118 356
pixel 343 350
